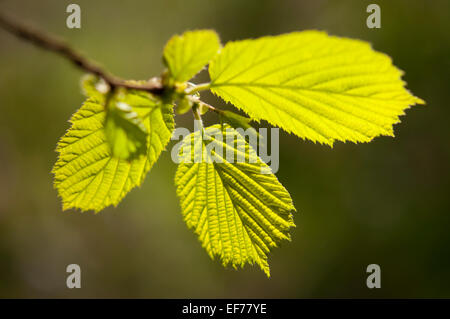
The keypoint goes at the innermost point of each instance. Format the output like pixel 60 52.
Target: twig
pixel 50 43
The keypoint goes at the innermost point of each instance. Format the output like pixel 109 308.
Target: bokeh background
pixel 386 202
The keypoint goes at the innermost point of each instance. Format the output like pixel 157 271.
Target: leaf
pixel 185 55
pixel 92 86
pixel 184 105
pixel 125 131
pixel 86 175
pixel 316 86
pixel 239 210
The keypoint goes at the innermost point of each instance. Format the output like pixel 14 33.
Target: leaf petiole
pixel 198 88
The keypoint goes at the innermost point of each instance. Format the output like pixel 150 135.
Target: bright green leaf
pixel 92 86
pixel 185 55
pixel 125 130
pixel 316 86
pixel 239 210
pixel 86 175
pixel 184 105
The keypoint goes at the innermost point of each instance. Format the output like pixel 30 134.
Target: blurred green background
pixel 386 202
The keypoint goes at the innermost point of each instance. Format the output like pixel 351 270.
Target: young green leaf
pixel 92 86
pixel 125 130
pixel 183 105
pixel 185 55
pixel 86 175
pixel 316 86
pixel 239 210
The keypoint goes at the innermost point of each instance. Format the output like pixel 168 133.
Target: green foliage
pixel 184 105
pixel 319 87
pixel 239 211
pixel 125 130
pixel 316 86
pixel 185 55
pixel 94 87
pixel 87 176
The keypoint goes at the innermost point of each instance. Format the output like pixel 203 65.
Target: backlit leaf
pixel 125 131
pixel 319 87
pixel 86 175
pixel 239 210
pixel 185 55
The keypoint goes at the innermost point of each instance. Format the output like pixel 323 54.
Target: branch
pixel 50 43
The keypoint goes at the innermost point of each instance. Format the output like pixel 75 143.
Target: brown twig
pixel 50 43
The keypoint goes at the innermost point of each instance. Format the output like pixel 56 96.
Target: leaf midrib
pixel 292 87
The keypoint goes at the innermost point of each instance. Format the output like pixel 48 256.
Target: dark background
pixel 386 202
